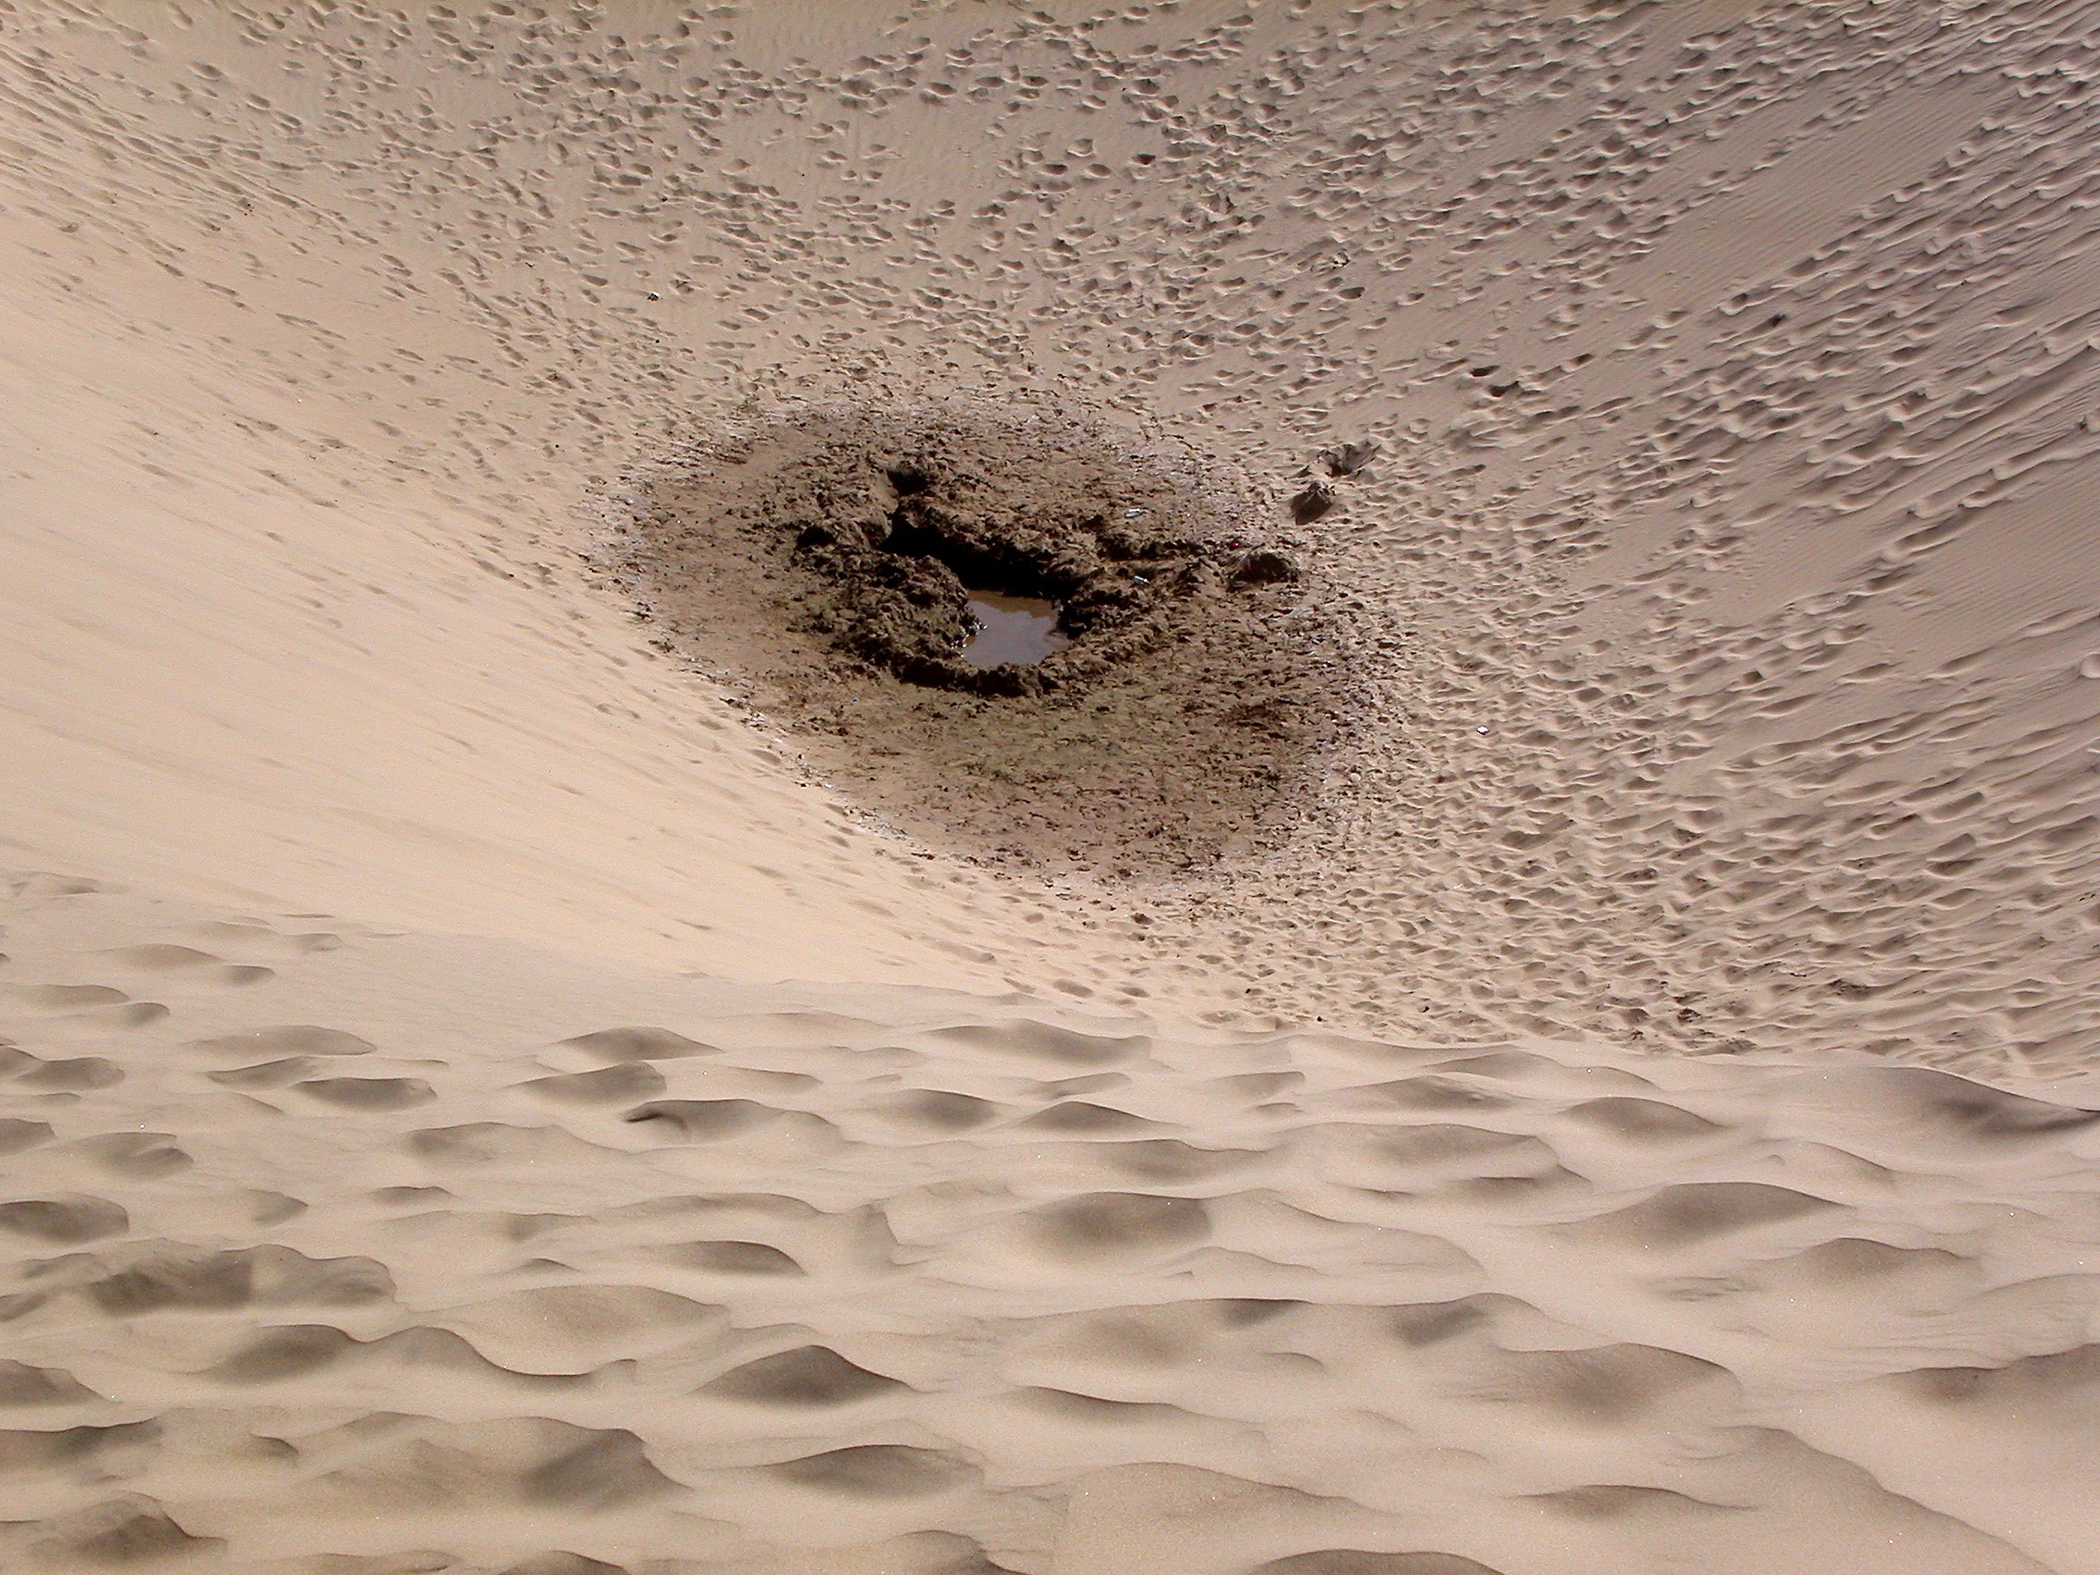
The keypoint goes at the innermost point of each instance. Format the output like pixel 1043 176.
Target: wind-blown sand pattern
pixel 480 1092
pixel 490 1255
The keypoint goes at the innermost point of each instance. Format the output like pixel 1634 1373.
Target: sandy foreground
pixel 480 1093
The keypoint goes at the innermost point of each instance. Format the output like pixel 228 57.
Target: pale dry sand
pixel 476 1099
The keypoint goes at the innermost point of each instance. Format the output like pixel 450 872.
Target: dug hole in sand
pixel 829 560
pixel 1516 996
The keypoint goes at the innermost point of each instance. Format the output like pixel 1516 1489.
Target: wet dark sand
pixel 1187 716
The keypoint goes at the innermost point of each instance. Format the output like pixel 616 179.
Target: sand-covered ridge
pixel 1520 997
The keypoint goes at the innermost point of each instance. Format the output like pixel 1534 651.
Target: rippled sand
pixel 474 1096
pixel 488 1253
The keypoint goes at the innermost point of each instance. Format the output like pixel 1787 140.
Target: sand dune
pixel 925 1281
pixel 500 1073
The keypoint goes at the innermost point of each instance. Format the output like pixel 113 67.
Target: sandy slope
pixel 1718 630
pixel 447 1253
pixel 1719 611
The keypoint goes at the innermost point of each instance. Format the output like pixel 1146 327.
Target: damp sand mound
pixel 825 562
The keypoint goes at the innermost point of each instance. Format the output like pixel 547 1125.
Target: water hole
pixel 1021 630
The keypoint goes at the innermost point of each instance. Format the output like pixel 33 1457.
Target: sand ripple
pixel 831 1281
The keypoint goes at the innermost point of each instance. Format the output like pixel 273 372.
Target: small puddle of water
pixel 1018 629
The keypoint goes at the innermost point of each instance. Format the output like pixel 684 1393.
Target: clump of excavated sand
pixel 1571 1050
pixel 828 558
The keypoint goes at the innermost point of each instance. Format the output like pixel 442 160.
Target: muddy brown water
pixel 1018 629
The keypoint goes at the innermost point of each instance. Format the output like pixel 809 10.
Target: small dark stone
pixel 1314 501
pixel 1349 458
pixel 1263 567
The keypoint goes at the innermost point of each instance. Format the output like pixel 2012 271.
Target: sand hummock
pixel 1517 999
